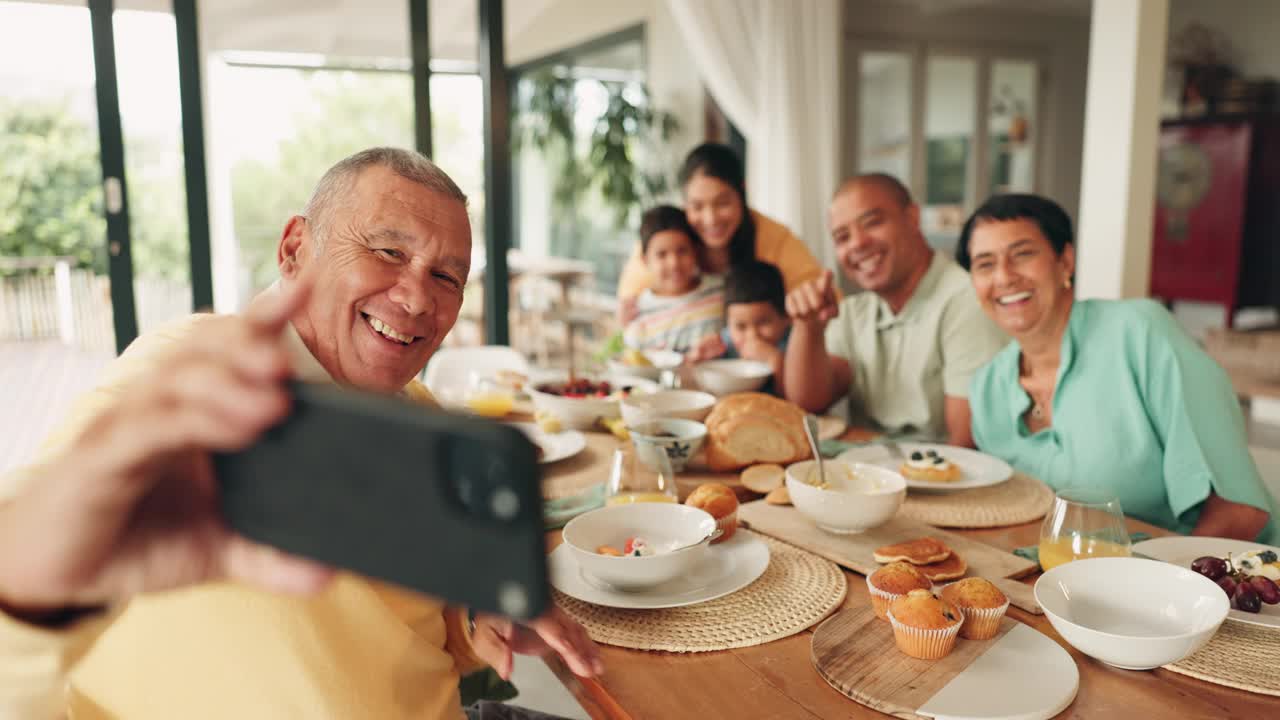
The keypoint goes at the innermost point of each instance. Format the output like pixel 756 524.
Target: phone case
pixel 439 503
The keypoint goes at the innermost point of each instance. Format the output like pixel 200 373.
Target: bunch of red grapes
pixel 1247 592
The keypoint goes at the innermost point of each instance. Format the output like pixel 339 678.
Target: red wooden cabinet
pixel 1217 215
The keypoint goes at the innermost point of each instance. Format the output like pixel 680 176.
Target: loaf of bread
pixel 748 428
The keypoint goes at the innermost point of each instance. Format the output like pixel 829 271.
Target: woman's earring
pixel 1067 283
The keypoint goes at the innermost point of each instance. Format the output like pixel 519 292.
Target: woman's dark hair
pixel 1048 215
pixel 722 163
pixel 755 281
pixel 661 218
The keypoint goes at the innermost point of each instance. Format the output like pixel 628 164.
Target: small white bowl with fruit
pixel 639 545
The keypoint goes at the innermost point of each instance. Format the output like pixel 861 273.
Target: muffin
pixel 721 503
pixel 924 626
pixel 982 605
pixel 892 582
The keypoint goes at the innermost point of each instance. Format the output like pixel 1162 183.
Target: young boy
pixel 683 307
pixel 756 318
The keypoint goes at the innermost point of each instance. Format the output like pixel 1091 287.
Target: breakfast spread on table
pixel 929 465
pixel 1247 578
pixel 920 589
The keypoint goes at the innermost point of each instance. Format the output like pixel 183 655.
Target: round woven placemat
pixel 582 472
pixel 1240 656
pixel 1021 499
pixel 796 592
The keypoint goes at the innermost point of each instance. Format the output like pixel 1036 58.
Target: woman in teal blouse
pixel 1103 393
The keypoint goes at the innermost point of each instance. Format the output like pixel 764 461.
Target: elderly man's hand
pixel 814 301
pixel 497 637
pixel 132 506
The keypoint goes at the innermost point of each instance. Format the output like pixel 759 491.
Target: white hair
pixel 338 182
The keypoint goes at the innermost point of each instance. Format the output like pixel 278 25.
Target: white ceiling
pixel 341 28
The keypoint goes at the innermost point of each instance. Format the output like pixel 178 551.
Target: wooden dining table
pixel 778 680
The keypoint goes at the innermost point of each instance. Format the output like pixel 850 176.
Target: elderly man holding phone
pixel 123 593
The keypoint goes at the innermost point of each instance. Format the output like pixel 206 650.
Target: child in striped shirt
pixel 684 306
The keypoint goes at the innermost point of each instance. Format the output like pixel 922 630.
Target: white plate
pixel 732 565
pixel 1023 676
pixel 1182 550
pixel 555 446
pixel 976 469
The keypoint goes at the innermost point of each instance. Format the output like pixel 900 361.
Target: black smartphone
pixel 439 503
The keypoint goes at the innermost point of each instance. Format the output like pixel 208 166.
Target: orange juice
pixel 1065 549
pixel 636 497
pixel 490 404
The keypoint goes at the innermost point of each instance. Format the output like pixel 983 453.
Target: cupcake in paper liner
pixel 892 582
pixel 981 603
pixel 924 626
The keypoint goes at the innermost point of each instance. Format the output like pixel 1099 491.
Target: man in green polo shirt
pixel 904 349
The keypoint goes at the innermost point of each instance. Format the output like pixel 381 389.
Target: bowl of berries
pixel 581 401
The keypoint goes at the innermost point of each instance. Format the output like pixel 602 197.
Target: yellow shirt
pixel 223 650
pixel 775 244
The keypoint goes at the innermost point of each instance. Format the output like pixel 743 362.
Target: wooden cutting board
pixel 1020 673
pixel 857 551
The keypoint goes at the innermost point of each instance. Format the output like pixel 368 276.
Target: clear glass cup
pixel 633 478
pixel 1083 523
pixel 486 397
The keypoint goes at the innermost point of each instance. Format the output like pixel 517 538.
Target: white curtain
pixel 773 66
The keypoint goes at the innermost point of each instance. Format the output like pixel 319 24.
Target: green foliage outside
pixel 50 192
pixel 50 176
pixel 350 111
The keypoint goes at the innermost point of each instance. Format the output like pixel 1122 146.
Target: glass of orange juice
pixel 633 481
pixel 1083 523
pixel 487 398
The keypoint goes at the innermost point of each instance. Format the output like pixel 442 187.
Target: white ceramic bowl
pixel 847 506
pixel 723 377
pixel 662 525
pixel 687 404
pixel 680 439
pixel 1132 613
pixel 660 359
pixel 582 413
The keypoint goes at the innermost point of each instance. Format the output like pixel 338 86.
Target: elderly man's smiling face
pixel 389 283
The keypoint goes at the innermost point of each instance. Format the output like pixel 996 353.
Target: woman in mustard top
pixel 715 195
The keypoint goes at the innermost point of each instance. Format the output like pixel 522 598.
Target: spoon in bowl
pixel 811 432
pixel 709 536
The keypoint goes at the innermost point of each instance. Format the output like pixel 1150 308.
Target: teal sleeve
pixel 1195 412
pixel 969 340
